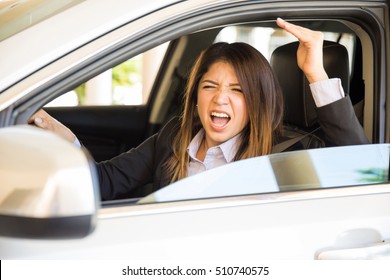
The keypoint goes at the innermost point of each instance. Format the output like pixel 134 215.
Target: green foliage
pixel 80 91
pixel 125 74
pixel 374 175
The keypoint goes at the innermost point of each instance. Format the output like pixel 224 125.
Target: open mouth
pixel 219 119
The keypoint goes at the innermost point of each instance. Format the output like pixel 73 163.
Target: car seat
pixel 300 117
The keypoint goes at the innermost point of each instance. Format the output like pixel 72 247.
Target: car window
pixel 291 171
pixel 128 83
pixel 126 89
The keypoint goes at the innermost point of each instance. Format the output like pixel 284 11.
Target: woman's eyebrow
pixel 215 83
pixel 209 81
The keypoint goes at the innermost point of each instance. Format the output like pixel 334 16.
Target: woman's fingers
pixel 303 34
pixel 43 120
pixel 38 119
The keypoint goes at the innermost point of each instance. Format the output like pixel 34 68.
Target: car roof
pixel 34 33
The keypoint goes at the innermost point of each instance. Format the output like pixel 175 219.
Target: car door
pixel 286 225
pixel 236 212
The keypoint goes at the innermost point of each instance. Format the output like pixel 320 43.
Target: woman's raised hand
pixel 309 54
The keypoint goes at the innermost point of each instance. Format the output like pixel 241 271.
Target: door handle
pixel 379 251
pixel 357 244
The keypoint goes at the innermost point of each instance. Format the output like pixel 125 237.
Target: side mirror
pixel 48 187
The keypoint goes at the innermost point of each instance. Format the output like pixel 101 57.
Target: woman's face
pixel 221 104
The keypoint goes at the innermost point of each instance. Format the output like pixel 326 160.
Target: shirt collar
pixel 228 148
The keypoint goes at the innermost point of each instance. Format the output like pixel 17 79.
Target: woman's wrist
pixel 317 77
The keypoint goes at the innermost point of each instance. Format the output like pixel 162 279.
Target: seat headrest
pixel 299 104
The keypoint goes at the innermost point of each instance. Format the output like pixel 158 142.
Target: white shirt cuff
pixel 327 91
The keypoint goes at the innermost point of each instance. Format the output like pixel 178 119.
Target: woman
pixel 233 110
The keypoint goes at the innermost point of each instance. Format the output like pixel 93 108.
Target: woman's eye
pixel 208 87
pixel 237 90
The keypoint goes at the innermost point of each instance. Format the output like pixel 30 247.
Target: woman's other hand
pixel 44 120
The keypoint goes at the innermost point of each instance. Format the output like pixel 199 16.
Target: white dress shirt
pixel 215 156
pixel 327 91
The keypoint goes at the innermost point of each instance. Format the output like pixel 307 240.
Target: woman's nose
pixel 222 96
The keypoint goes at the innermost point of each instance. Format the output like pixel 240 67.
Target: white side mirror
pixel 48 187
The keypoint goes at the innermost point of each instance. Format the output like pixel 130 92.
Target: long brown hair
pixel 262 95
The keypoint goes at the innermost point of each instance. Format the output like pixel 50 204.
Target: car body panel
pixel 61 35
pixel 299 229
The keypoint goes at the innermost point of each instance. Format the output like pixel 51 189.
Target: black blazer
pixel 140 170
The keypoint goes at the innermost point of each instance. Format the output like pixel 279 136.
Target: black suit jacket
pixel 140 170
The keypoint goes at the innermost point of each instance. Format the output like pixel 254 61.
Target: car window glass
pixel 289 171
pixel 129 83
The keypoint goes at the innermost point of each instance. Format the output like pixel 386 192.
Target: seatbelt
pixel 282 146
pixel 359 110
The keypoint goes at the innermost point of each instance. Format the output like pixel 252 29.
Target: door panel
pixel 272 229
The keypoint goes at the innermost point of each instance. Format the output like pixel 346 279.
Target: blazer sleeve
pixel 340 124
pixel 126 173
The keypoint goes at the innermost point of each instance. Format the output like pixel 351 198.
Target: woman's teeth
pixel 219 115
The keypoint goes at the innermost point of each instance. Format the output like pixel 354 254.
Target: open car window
pixel 107 132
pixel 291 171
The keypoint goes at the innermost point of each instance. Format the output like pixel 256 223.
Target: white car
pixel 315 203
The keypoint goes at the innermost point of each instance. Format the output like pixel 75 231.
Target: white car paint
pixel 54 37
pixel 296 229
